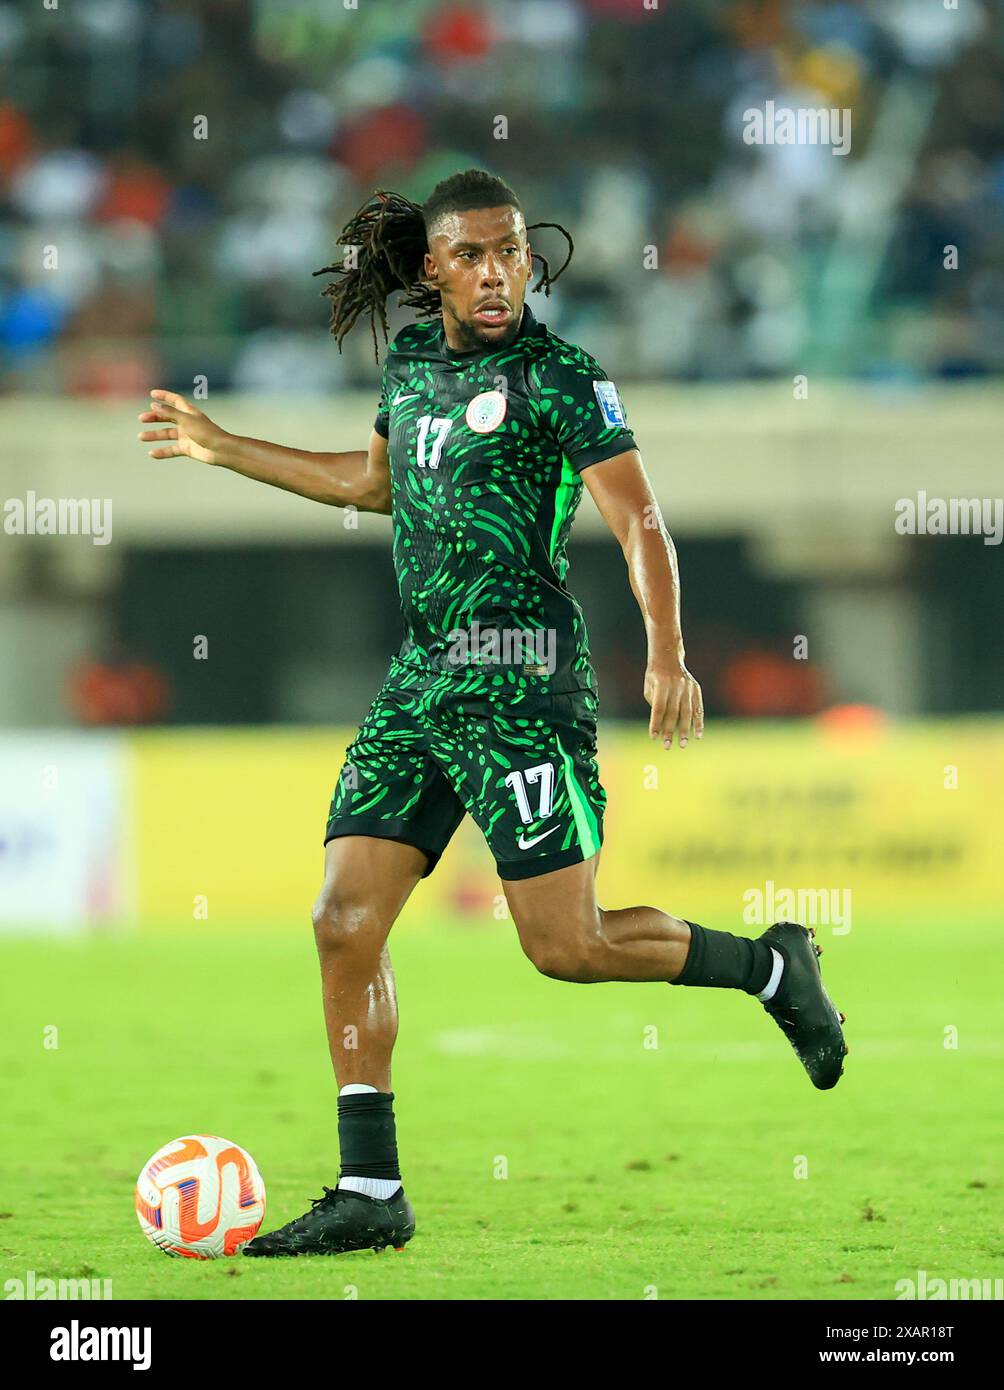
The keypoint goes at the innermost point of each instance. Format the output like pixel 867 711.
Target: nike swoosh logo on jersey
pixel 399 399
pixel 529 844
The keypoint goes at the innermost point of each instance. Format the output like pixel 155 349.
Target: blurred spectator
pixel 171 174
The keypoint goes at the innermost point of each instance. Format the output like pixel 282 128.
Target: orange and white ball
pixel 200 1197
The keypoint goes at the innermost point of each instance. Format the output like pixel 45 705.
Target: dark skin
pixel 479 261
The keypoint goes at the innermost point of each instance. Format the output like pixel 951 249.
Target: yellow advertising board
pixel 228 824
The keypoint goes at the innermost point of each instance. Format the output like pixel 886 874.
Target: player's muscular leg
pixel 569 936
pixel 367 881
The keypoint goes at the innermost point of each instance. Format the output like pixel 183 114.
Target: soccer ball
pixel 200 1197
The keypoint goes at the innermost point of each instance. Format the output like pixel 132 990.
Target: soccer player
pixel 487 427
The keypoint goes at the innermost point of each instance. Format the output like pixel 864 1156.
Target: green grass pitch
pixel 633 1171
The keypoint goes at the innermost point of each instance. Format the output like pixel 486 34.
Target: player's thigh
pixel 367 881
pixel 555 914
pixel 394 812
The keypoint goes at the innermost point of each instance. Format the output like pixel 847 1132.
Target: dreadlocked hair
pixel 388 238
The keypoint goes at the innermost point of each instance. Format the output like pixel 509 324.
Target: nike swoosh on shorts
pixel 529 844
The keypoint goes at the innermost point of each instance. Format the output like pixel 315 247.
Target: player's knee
pixel 568 954
pixel 343 919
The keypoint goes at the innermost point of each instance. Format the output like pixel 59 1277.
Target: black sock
pixel 367 1140
pixel 719 960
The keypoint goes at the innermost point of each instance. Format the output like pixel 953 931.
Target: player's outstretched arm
pixel 360 478
pixel 621 490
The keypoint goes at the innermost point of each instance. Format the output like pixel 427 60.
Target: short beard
pixel 474 337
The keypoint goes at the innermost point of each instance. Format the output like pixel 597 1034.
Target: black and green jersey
pixel 486 450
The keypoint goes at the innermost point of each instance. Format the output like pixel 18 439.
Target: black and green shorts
pixel 525 770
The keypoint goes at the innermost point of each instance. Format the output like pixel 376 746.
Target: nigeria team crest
pixel 486 412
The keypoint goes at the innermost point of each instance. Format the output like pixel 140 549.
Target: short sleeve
pixel 582 408
pixel 382 422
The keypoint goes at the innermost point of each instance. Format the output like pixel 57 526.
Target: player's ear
pixel 430 268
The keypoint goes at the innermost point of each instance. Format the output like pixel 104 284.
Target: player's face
pixel 480 263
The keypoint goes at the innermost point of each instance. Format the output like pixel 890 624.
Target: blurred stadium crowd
pixel 184 248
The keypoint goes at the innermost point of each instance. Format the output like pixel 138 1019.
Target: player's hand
pixel 190 433
pixel 677 705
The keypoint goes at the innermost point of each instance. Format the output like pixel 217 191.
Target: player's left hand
pixel 676 702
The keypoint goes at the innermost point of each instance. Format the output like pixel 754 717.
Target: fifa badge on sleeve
pixel 610 404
